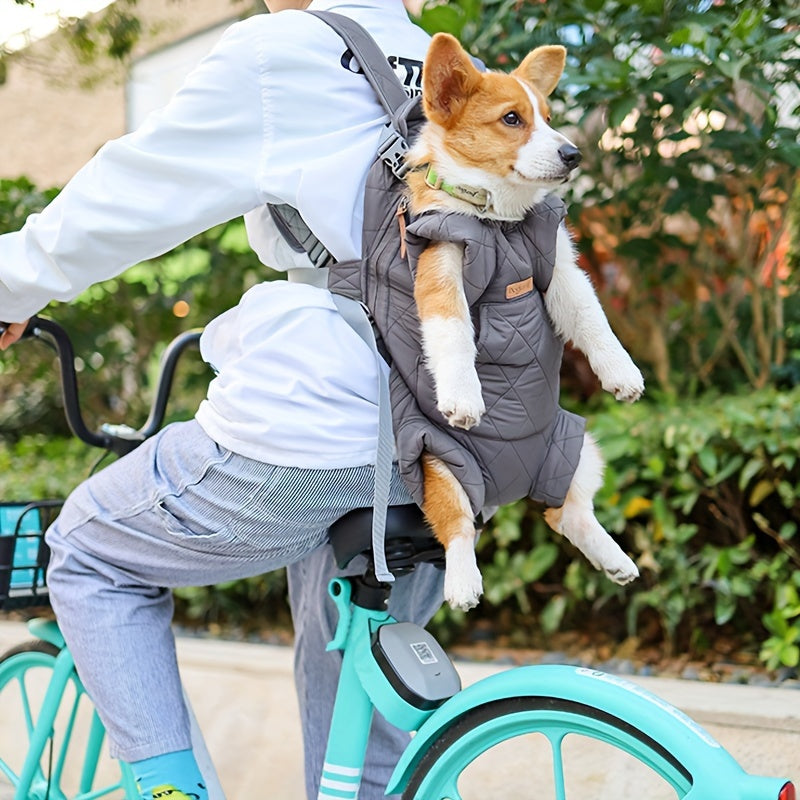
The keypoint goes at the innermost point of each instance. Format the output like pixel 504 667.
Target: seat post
pixel 368 591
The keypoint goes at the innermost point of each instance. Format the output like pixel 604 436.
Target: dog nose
pixel 570 155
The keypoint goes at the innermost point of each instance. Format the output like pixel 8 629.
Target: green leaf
pixel 788 530
pixel 761 491
pixel 724 608
pixel 538 561
pixel 790 655
pixel 619 109
pixel 553 613
pixel 749 471
pixel 442 19
pixel 707 459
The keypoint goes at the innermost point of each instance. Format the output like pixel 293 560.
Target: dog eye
pixel 512 118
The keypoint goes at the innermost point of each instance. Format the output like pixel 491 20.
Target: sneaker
pixel 167 792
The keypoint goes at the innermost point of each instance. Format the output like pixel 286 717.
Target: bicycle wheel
pixel 565 731
pixel 68 764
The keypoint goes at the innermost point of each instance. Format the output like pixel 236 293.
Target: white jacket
pixel 276 113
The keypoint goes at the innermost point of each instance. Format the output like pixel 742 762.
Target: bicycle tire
pixel 20 673
pixel 437 774
pixel 33 646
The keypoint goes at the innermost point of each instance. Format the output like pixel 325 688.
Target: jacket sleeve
pixel 191 166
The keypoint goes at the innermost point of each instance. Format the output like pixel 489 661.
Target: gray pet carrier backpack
pixel 525 445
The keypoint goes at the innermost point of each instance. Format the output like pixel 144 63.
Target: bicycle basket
pixel 23 552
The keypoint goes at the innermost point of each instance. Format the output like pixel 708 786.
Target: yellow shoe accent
pixel 166 792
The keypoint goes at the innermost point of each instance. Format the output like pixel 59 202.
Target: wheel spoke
pixel 24 674
pixel 558 766
pixel 451 792
pixel 26 705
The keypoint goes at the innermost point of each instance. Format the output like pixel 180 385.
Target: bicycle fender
pixel 694 748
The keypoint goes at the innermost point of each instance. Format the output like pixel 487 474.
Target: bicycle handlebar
pixel 120 439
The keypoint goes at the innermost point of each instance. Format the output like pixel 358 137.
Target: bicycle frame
pixel 686 753
pixel 689 755
pixel 362 688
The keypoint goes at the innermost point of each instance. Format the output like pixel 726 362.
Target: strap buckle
pixel 392 150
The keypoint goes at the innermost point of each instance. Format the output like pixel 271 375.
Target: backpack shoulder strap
pixel 371 59
pixel 392 96
pixel 386 85
pixel 392 146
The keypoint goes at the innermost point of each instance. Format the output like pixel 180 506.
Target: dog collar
pixel 470 194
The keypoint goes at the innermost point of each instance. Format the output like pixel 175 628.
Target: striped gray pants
pixel 182 511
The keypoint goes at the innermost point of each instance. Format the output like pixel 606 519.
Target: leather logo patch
pixel 518 289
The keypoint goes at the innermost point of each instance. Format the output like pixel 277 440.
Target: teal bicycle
pixel 389 665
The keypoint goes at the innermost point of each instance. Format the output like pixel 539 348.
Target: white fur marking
pixel 463 584
pixel 450 354
pixel 538 159
pixel 578 317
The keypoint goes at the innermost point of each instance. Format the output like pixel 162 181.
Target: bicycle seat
pixel 409 540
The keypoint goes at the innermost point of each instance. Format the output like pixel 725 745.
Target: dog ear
pixel 542 67
pixel 448 78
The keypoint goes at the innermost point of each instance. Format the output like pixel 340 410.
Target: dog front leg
pixel 577 316
pixel 448 511
pixel 448 341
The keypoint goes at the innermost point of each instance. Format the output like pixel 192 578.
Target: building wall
pixel 56 113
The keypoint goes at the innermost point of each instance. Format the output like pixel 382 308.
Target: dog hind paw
pixel 463 591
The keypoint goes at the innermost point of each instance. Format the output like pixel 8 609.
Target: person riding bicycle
pixel 284 443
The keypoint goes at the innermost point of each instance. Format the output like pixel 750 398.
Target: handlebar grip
pixel 29 329
pixel 69 383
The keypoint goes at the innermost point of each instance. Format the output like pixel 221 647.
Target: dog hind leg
pixel 449 514
pixel 575 520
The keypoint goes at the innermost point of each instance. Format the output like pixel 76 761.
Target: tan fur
pixel 542 69
pixel 490 131
pixel 446 506
pixel 435 291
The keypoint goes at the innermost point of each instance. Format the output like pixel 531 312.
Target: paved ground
pixel 244 699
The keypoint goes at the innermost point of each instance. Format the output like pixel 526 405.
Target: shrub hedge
pixel 704 494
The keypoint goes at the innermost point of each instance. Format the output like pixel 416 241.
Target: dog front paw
pixel 461 402
pixel 625 382
pixel 621 569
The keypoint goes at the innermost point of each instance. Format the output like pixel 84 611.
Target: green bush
pixel 40 467
pixel 705 495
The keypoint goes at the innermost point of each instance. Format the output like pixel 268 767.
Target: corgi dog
pixel 488 135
